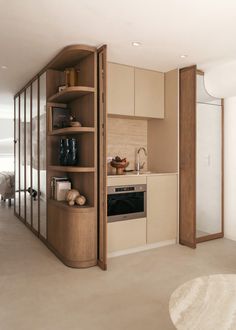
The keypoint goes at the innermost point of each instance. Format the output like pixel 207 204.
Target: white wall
pixel 230 168
pixel 6 144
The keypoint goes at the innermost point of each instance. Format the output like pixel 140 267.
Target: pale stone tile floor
pixel 38 292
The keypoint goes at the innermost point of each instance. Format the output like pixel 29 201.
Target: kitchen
pixel 142 127
pixel 107 182
pixel 134 119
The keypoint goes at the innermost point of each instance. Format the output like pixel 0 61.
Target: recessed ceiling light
pixel 136 43
pixel 4 67
pixel 183 56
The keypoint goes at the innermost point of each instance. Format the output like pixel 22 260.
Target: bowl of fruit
pixel 119 164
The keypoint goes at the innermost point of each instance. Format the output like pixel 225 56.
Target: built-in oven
pixel 126 202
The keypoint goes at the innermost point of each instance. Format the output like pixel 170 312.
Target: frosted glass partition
pixel 208 162
pixel 35 160
pixel 42 165
pixel 28 154
pixel 22 156
pixel 17 146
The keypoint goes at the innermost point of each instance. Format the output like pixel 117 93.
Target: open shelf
pixel 72 130
pixel 76 208
pixel 72 169
pixel 70 56
pixel 71 93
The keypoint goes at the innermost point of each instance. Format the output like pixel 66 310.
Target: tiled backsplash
pixel 124 138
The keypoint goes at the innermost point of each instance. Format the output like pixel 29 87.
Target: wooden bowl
pixel 75 124
pixel 119 166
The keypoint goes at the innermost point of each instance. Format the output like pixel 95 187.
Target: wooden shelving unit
pixel 72 230
pixel 80 209
pixel 71 93
pixel 77 235
pixel 72 130
pixel 71 169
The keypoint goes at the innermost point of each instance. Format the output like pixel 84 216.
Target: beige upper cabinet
pixel 162 210
pixel 149 93
pixel 120 89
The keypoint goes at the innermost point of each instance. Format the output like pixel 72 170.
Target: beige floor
pixel 38 292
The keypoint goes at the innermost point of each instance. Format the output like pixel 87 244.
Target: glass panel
pixel 34 192
pixel 28 156
pixel 22 156
pixel 42 166
pixel 202 94
pixel 17 142
pixel 209 169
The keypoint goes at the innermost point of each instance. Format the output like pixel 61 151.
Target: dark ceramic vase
pixel 68 152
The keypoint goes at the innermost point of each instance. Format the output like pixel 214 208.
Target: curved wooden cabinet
pixel 72 234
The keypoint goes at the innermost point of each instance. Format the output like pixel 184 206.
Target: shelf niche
pixel 85 153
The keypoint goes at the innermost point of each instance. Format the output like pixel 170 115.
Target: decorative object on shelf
pixel 62 187
pixel 60 117
pixel 119 164
pixel 54 181
pixel 73 122
pixel 68 152
pixel 80 200
pixel 71 77
pixel 61 88
pixel 71 196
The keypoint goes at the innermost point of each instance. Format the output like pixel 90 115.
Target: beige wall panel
pixel 163 134
pixel 161 208
pixel 120 88
pixel 124 137
pixel 127 234
pixel 149 93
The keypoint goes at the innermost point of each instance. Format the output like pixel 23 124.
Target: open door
pixel 102 158
pixel 187 156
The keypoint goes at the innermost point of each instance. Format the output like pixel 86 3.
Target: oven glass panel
pixel 126 203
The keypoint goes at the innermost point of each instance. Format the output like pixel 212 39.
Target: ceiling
pixel 33 31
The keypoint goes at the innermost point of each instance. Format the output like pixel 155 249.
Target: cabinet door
pixel 35 160
pixel 161 208
pixel 42 159
pixel 28 154
pixel 126 234
pixel 149 93
pixel 102 159
pixel 120 89
pixel 22 156
pixel 17 157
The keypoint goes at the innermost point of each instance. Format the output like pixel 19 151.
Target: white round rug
pixel 205 303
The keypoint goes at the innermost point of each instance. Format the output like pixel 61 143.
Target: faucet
pixel 138 165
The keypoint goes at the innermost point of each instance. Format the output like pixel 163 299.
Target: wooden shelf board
pixel 71 93
pixel 75 208
pixel 70 56
pixel 72 169
pixel 72 130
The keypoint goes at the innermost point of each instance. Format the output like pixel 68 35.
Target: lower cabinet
pixel 162 208
pixel 162 214
pixel 72 234
pixel 126 234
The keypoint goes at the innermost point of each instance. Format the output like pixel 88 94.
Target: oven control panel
pixel 126 189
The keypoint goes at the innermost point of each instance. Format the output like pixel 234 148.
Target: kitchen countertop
pixel 135 174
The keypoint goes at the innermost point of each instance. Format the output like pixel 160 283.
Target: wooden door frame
pixel 102 157
pixel 187 100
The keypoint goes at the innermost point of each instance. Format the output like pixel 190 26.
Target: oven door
pixel 126 205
